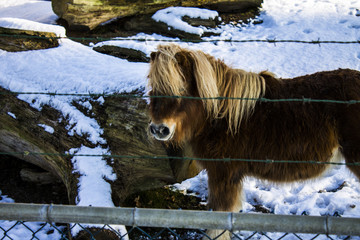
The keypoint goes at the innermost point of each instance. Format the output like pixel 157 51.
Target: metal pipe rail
pixel 180 219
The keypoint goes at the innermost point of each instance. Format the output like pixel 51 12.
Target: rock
pixel 15 40
pixel 86 15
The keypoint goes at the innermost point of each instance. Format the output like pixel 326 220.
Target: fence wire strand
pixel 114 156
pixel 184 40
pixel 140 96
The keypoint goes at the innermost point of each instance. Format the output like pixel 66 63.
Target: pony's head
pixel 177 75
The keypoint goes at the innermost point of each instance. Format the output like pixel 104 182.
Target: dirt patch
pixel 164 198
pixel 241 17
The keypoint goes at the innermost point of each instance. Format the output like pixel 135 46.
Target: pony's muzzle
pixel 161 131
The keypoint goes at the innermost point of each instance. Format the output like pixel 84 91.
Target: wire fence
pixel 158 157
pixel 141 96
pixel 184 40
pixel 59 222
pixel 119 95
pixel 167 223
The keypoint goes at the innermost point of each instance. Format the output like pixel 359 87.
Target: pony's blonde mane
pixel 246 87
pixel 213 78
pixel 165 75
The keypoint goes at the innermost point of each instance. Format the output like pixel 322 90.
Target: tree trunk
pixel 87 14
pixel 20 133
pixel 125 129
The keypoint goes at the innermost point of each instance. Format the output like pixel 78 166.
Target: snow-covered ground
pixel 75 68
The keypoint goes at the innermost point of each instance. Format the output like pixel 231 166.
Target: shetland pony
pixel 249 128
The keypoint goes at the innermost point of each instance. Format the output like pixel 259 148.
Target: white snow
pixel 336 192
pixel 69 68
pixel 94 173
pixel 75 68
pixel 47 128
pixel 86 104
pixel 24 24
pixel 19 231
pixel 93 187
pixel 322 196
pixel 35 10
pixel 172 16
pixel 11 115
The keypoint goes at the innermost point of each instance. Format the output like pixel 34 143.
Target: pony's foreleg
pixel 224 195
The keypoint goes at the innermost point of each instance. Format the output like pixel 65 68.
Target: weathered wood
pixel 87 14
pixel 24 135
pixel 125 129
pixel 131 55
pixel 125 123
pixel 15 40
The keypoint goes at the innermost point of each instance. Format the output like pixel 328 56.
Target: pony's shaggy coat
pixel 213 79
pixel 251 129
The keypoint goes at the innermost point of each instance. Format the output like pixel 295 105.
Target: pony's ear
pixel 180 57
pixel 184 60
pixel 153 55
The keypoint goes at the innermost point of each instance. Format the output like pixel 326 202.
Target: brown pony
pixel 249 128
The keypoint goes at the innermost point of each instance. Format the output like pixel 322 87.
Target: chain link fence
pixel 40 231
pixel 42 222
